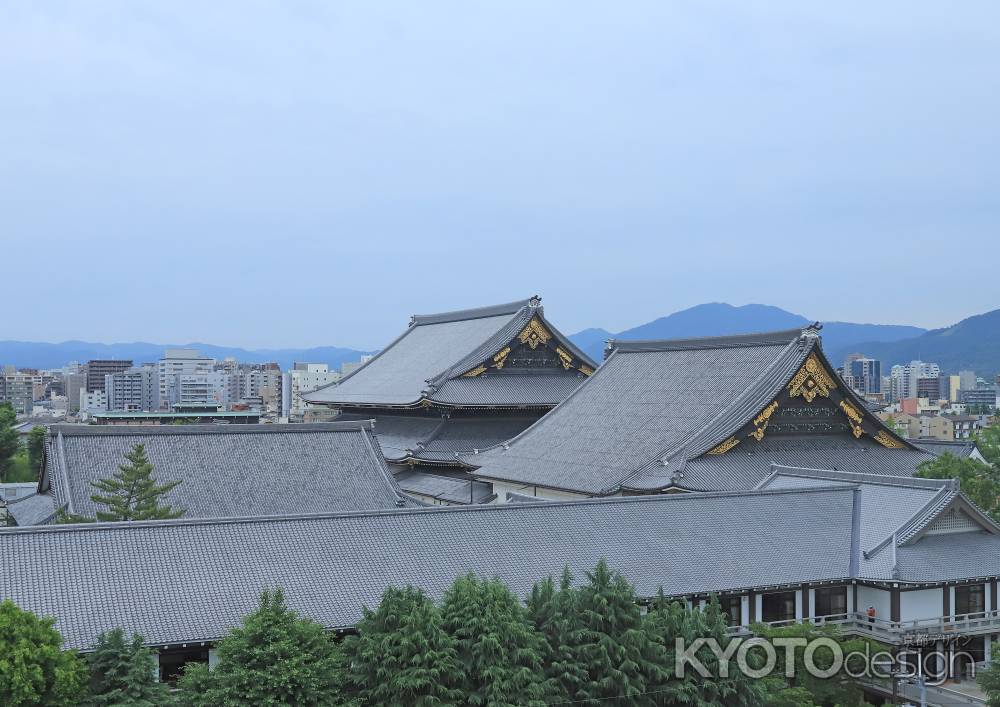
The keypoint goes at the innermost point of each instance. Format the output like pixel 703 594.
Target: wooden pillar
pixel 946 594
pixel 993 595
pixel 894 604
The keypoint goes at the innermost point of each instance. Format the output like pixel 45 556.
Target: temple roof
pixel 191 580
pixel 460 359
pixel 655 406
pixel 229 470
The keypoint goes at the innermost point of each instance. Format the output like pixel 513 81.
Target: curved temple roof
pixel 654 407
pixel 430 361
pixel 230 470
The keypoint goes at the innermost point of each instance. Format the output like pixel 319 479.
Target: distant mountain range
pixel 973 343
pixel 30 354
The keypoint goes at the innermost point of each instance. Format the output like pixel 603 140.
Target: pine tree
pixel 275 657
pixel 34 670
pixel 555 615
pixel 614 648
pixel 668 620
pixel 122 673
pixel 499 650
pixel 132 493
pixel 402 655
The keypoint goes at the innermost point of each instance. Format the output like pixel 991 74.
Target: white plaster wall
pixel 501 488
pixel 920 604
pixel 879 598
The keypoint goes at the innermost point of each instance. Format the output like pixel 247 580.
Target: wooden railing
pixel 896 631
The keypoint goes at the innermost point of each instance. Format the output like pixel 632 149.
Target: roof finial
pixel 534 301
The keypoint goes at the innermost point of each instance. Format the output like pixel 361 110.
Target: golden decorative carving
pixel 760 422
pixel 853 417
pixel 811 380
pixel 567 360
pixel 887 440
pixel 478 370
pixel 501 358
pixel 724 447
pixel 586 370
pixel 534 334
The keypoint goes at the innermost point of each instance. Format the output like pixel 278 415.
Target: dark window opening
pixel 732 609
pixel 173 660
pixel 779 606
pixel 831 601
pixel 970 599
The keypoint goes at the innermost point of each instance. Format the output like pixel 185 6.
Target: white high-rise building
pixel 905 378
pixel 133 390
pixel 303 378
pixel 175 364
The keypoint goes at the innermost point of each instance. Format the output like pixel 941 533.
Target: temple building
pixel 704 414
pixel 224 470
pixel 459 382
pixel 816 545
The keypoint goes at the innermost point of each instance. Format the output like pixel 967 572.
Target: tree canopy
pixel 122 673
pixel 10 445
pixel 132 493
pixel 34 670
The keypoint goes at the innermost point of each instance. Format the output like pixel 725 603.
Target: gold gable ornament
pixel 586 370
pixel 724 447
pixel 887 440
pixel 478 370
pixel 811 380
pixel 501 358
pixel 565 358
pixel 854 418
pixel 534 334
pixel 760 422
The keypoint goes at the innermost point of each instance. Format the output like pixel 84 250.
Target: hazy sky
pixel 305 173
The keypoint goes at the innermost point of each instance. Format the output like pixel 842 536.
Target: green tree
pixel 34 670
pixel 840 689
pixel 980 482
pixel 132 493
pixel 402 655
pixel 989 680
pixel 36 449
pixel 10 444
pixel 122 673
pixel 556 618
pixel 667 621
pixel 499 651
pixel 275 657
pixel 988 443
pixel 614 648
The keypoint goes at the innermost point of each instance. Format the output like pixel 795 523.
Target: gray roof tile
pixel 231 470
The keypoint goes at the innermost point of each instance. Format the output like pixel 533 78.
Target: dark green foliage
pixel 499 651
pixel 841 689
pixel 274 657
pixel 989 680
pixel 36 448
pixel 122 673
pixel 132 493
pixel 9 442
pixel 33 668
pixel 667 621
pixel 988 442
pixel 402 655
pixel 980 482
pixel 614 649
pixel 555 616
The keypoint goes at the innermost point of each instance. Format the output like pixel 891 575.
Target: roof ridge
pixel 72 430
pixel 942 497
pixel 494 310
pixel 868 478
pixel 485 508
pixel 767 338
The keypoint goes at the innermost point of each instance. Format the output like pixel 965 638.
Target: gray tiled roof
pixel 36 509
pixel 427 361
pixel 939 558
pixel 445 488
pixel 644 421
pixel 185 581
pixel 647 398
pixel 957 448
pixel 231 470
pixel 748 465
